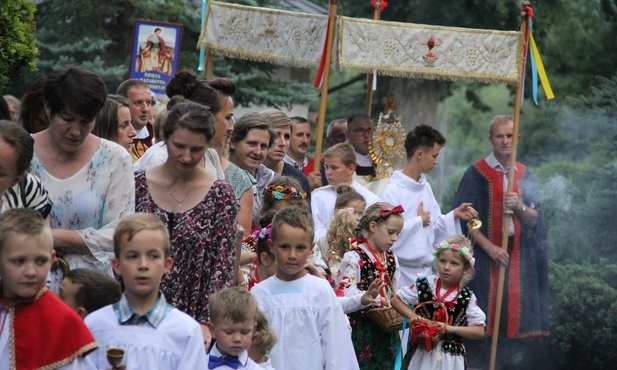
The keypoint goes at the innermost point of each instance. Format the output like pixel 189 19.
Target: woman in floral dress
pixel 89 180
pixel 199 210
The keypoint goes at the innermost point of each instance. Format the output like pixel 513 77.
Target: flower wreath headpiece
pixel 279 192
pixel 263 233
pixel 462 250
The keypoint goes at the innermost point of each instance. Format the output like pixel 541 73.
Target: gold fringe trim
pixel 262 57
pixel 81 352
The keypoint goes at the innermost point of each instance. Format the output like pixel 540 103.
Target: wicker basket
pixel 420 326
pixel 386 317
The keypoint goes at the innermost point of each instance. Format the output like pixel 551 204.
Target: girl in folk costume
pixel 348 210
pixel 454 263
pixel 370 260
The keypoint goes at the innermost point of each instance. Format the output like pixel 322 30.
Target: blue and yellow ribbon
pixel 537 67
pixel 202 49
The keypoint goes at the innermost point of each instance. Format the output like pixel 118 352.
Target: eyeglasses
pixel 362 131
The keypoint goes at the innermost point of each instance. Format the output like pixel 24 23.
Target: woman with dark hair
pixel 217 95
pixel 32 115
pixel 113 122
pixel 89 179
pixel 200 212
pixel 18 188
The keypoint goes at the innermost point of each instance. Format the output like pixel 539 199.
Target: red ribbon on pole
pixel 322 63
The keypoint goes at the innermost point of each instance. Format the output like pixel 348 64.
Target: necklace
pixel 180 202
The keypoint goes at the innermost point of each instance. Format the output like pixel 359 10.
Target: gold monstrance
pixel 387 144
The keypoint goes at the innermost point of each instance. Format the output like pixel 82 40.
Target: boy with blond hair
pixel 37 330
pixel 153 334
pixel 232 321
pixel 340 164
pixel 302 309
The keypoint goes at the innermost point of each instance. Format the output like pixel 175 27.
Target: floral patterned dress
pixel 374 348
pixel 92 201
pixel 203 243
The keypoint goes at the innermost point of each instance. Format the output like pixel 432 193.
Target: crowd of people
pixel 182 238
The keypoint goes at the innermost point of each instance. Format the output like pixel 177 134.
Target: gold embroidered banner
pixel 433 52
pixel 389 48
pixel 265 35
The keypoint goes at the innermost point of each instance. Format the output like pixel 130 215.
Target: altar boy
pixel 153 334
pixel 37 330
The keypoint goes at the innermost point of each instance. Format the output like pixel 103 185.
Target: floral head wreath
pixel 263 233
pixel 279 192
pixel 462 250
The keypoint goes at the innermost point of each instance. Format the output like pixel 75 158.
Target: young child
pixel 454 263
pixel 232 323
pixel 348 210
pixel 424 223
pixel 37 330
pixel 302 309
pixel 153 334
pixel 87 290
pixel 370 260
pixel 340 164
pixel 263 341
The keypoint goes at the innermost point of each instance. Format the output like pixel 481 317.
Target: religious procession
pixel 208 216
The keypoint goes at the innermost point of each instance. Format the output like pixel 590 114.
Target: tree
pixel 98 36
pixel 17 45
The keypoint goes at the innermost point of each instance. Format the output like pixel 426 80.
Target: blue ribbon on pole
pixel 202 49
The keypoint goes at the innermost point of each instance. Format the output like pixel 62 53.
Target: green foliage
pixel 584 303
pixel 98 36
pixel 17 46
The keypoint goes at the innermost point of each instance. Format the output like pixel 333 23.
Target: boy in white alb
pixel 424 223
pixel 153 334
pixel 302 309
pixel 233 314
pixel 340 164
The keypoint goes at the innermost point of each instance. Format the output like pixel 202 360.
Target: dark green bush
pixel 584 307
pixel 17 43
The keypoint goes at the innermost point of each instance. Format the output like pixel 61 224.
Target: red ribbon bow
pixel 396 210
pixel 422 327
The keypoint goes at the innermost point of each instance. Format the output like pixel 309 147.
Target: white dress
pixel 322 206
pixel 309 323
pixel 177 343
pixel 414 247
pixel 91 202
pixel 437 359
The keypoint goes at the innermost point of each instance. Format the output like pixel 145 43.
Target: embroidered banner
pixel 265 35
pixel 433 52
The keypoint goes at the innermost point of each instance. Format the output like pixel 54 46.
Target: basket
pixel 386 317
pixel 426 333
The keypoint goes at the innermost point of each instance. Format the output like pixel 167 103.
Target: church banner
pixel 432 52
pixel 156 53
pixel 265 35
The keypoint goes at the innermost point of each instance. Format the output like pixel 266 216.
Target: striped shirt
pixel 28 193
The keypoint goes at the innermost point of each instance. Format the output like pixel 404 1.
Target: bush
pixel 584 304
pixel 17 43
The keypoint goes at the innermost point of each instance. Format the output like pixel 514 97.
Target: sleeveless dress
pixel 203 243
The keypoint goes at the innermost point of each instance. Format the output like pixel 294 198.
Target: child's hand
pixel 313 270
pixel 369 297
